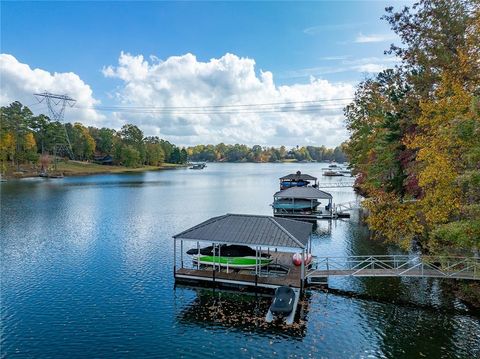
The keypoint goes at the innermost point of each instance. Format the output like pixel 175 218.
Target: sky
pixel 268 73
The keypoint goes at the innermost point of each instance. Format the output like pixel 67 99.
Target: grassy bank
pixel 78 168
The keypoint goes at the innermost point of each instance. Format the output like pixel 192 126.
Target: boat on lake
pixel 330 173
pixel 232 256
pixel 298 204
pixel 198 166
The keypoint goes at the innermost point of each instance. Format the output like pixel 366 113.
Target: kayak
pixel 232 250
pixel 231 262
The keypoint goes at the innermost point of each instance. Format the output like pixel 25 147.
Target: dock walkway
pixel 395 266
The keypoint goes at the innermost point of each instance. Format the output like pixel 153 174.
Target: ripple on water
pixel 86 271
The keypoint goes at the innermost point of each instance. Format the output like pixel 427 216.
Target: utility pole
pixel 56 105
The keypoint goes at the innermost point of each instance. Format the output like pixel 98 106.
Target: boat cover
pixel 232 250
pixel 283 301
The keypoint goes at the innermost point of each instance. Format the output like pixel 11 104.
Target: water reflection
pixel 86 267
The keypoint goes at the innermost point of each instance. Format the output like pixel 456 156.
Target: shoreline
pixel 78 169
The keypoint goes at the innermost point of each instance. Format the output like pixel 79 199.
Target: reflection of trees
pixel 241 311
pixel 392 310
pixel 406 332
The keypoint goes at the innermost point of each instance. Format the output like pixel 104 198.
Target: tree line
pixel 257 153
pixel 24 137
pixel 415 131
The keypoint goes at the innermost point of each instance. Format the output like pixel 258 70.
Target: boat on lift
pixel 231 256
pixel 297 179
pixel 283 302
pixel 298 204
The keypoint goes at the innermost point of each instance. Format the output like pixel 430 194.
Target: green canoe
pixel 231 262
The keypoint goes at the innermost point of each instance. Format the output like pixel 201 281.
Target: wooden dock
pixel 245 277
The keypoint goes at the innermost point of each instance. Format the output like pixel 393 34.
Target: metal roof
pixel 250 230
pixel 298 176
pixel 303 192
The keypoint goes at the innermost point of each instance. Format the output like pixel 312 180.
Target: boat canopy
pixel 303 193
pixel 250 230
pixel 299 176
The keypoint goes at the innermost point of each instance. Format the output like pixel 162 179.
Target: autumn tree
pixel 415 130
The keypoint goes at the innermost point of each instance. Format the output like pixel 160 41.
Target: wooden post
pixel 219 258
pixel 256 260
pixel 198 255
pixel 174 256
pixel 260 261
pixel 213 264
pixel 302 271
pixel 181 253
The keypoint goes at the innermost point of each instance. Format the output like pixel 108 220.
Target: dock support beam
pixel 302 272
pixel 198 255
pixel 174 257
pixel 181 253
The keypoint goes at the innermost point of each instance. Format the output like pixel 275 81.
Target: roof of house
pixel 303 192
pixel 298 177
pixel 250 230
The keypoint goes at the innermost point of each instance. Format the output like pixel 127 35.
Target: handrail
pixel 397 265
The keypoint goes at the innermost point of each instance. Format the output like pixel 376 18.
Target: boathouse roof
pixel 303 192
pixel 250 230
pixel 297 177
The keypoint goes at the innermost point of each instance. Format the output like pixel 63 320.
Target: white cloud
pixel 371 65
pixel 317 29
pixel 18 82
pixel 361 38
pixel 333 58
pixel 228 80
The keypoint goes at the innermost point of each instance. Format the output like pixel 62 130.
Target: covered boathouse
pixel 303 202
pixel 297 179
pixel 271 240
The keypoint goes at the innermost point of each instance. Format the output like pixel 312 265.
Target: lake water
pixel 86 271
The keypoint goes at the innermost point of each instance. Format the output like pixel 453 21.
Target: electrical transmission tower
pixel 56 106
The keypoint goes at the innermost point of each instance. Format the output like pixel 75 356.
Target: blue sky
pixel 339 42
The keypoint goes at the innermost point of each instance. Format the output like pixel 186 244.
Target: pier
pixel 393 266
pixel 274 239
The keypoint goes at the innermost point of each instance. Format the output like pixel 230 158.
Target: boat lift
pixel 290 317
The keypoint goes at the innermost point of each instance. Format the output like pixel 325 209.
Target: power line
pixel 56 105
pixel 177 112
pixel 216 106
pixel 285 107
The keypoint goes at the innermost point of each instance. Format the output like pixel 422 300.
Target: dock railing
pixel 338 184
pixel 397 266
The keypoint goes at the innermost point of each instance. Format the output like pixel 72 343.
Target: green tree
pixel 154 151
pixel 129 156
